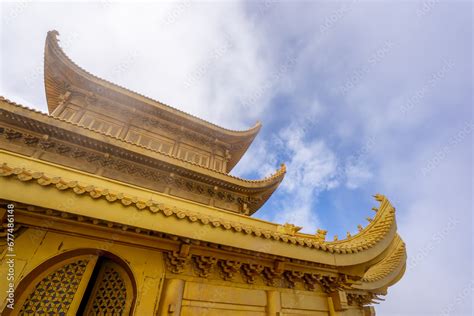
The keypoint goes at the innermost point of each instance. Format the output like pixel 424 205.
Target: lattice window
pixel 110 294
pixel 53 295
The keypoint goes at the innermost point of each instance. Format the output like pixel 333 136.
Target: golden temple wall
pixel 161 292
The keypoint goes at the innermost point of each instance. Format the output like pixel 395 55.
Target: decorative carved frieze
pixel 252 271
pixel 386 214
pixel 311 281
pixel 49 144
pixel 361 298
pixel 204 265
pixel 11 134
pixel 294 276
pixel 229 268
pixel 330 283
pixel 176 262
pixel 273 275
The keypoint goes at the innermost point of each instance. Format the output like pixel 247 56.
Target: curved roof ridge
pixel 52 39
pixel 382 224
pixel 387 265
pixel 272 179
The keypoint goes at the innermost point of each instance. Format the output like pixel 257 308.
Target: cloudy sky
pixel 355 97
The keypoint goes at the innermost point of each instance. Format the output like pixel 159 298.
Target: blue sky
pixel 355 97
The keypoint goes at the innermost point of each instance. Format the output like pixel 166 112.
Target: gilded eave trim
pixel 388 270
pixel 182 214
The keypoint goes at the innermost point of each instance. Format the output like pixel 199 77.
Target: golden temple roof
pixel 31 119
pixel 61 73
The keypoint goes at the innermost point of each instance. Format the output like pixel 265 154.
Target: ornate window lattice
pixel 110 295
pixel 53 295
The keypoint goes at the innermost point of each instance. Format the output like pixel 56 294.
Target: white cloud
pixel 357 174
pixel 311 168
pixel 201 58
pixel 435 220
pixel 311 163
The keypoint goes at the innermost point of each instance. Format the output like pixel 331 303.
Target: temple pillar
pixel 172 297
pixel 332 311
pixel 273 303
pixel 369 311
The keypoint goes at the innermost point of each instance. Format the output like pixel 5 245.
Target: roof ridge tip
pixel 52 33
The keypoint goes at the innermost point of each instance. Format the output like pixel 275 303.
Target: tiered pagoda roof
pixel 64 78
pixel 118 154
pixel 62 74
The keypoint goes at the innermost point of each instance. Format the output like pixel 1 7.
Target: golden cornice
pixel 373 235
pixel 143 204
pixel 190 257
pixel 44 218
pixel 202 257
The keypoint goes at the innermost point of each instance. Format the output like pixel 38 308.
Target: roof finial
pixel 379 197
pixel 53 33
pixel 321 234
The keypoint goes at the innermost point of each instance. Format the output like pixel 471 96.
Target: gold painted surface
pixel 110 295
pixel 174 227
pixel 55 293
